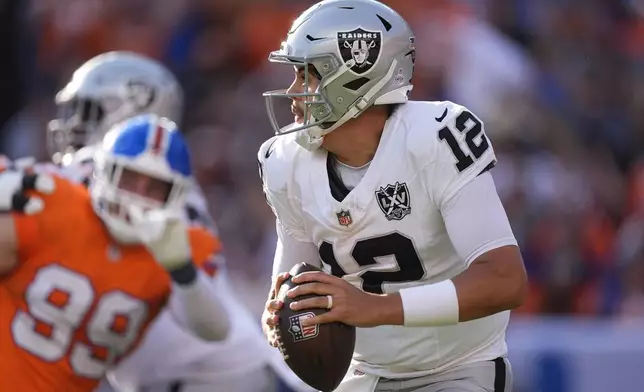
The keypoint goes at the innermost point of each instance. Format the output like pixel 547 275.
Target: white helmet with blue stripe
pixel 143 165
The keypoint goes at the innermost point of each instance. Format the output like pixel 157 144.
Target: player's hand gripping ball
pixel 319 354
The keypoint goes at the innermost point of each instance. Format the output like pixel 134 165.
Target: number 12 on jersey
pixel 475 139
pixel 409 266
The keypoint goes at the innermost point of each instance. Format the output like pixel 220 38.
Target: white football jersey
pixel 388 233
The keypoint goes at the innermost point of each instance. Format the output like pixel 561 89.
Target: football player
pixel 103 91
pixel 394 199
pixel 83 279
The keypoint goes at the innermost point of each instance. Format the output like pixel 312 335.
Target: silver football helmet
pixel 106 90
pixel 363 52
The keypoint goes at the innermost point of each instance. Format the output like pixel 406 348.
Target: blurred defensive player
pixel 105 90
pixel 83 278
pixel 395 200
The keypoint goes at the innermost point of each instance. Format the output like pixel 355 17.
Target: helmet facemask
pixel 77 125
pixel 121 208
pixel 84 122
pixel 318 115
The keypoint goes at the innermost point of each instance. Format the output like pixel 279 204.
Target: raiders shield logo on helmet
pixel 140 94
pixel 360 46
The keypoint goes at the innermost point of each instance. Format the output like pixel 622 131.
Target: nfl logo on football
pixel 344 218
pixel 298 331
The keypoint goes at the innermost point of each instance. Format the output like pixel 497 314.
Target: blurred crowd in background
pixel 558 83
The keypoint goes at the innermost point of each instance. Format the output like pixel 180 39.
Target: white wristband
pixel 430 305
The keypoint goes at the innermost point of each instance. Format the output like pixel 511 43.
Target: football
pixel 321 354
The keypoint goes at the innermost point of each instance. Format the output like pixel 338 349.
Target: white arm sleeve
pixel 290 251
pixel 475 219
pixel 198 308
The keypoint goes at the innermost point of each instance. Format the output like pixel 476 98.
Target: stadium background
pixel 559 84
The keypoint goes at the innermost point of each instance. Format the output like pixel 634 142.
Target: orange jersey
pixel 76 304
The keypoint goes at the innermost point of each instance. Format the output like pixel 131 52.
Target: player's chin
pixel 298 119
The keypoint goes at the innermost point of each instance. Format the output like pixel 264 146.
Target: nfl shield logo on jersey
pixel 394 201
pixel 361 46
pixel 298 331
pixel 344 218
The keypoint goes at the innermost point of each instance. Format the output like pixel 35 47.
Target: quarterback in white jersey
pixel 395 201
pixel 107 90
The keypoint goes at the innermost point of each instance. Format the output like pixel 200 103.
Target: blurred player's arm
pixel 17 227
pixel 195 304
